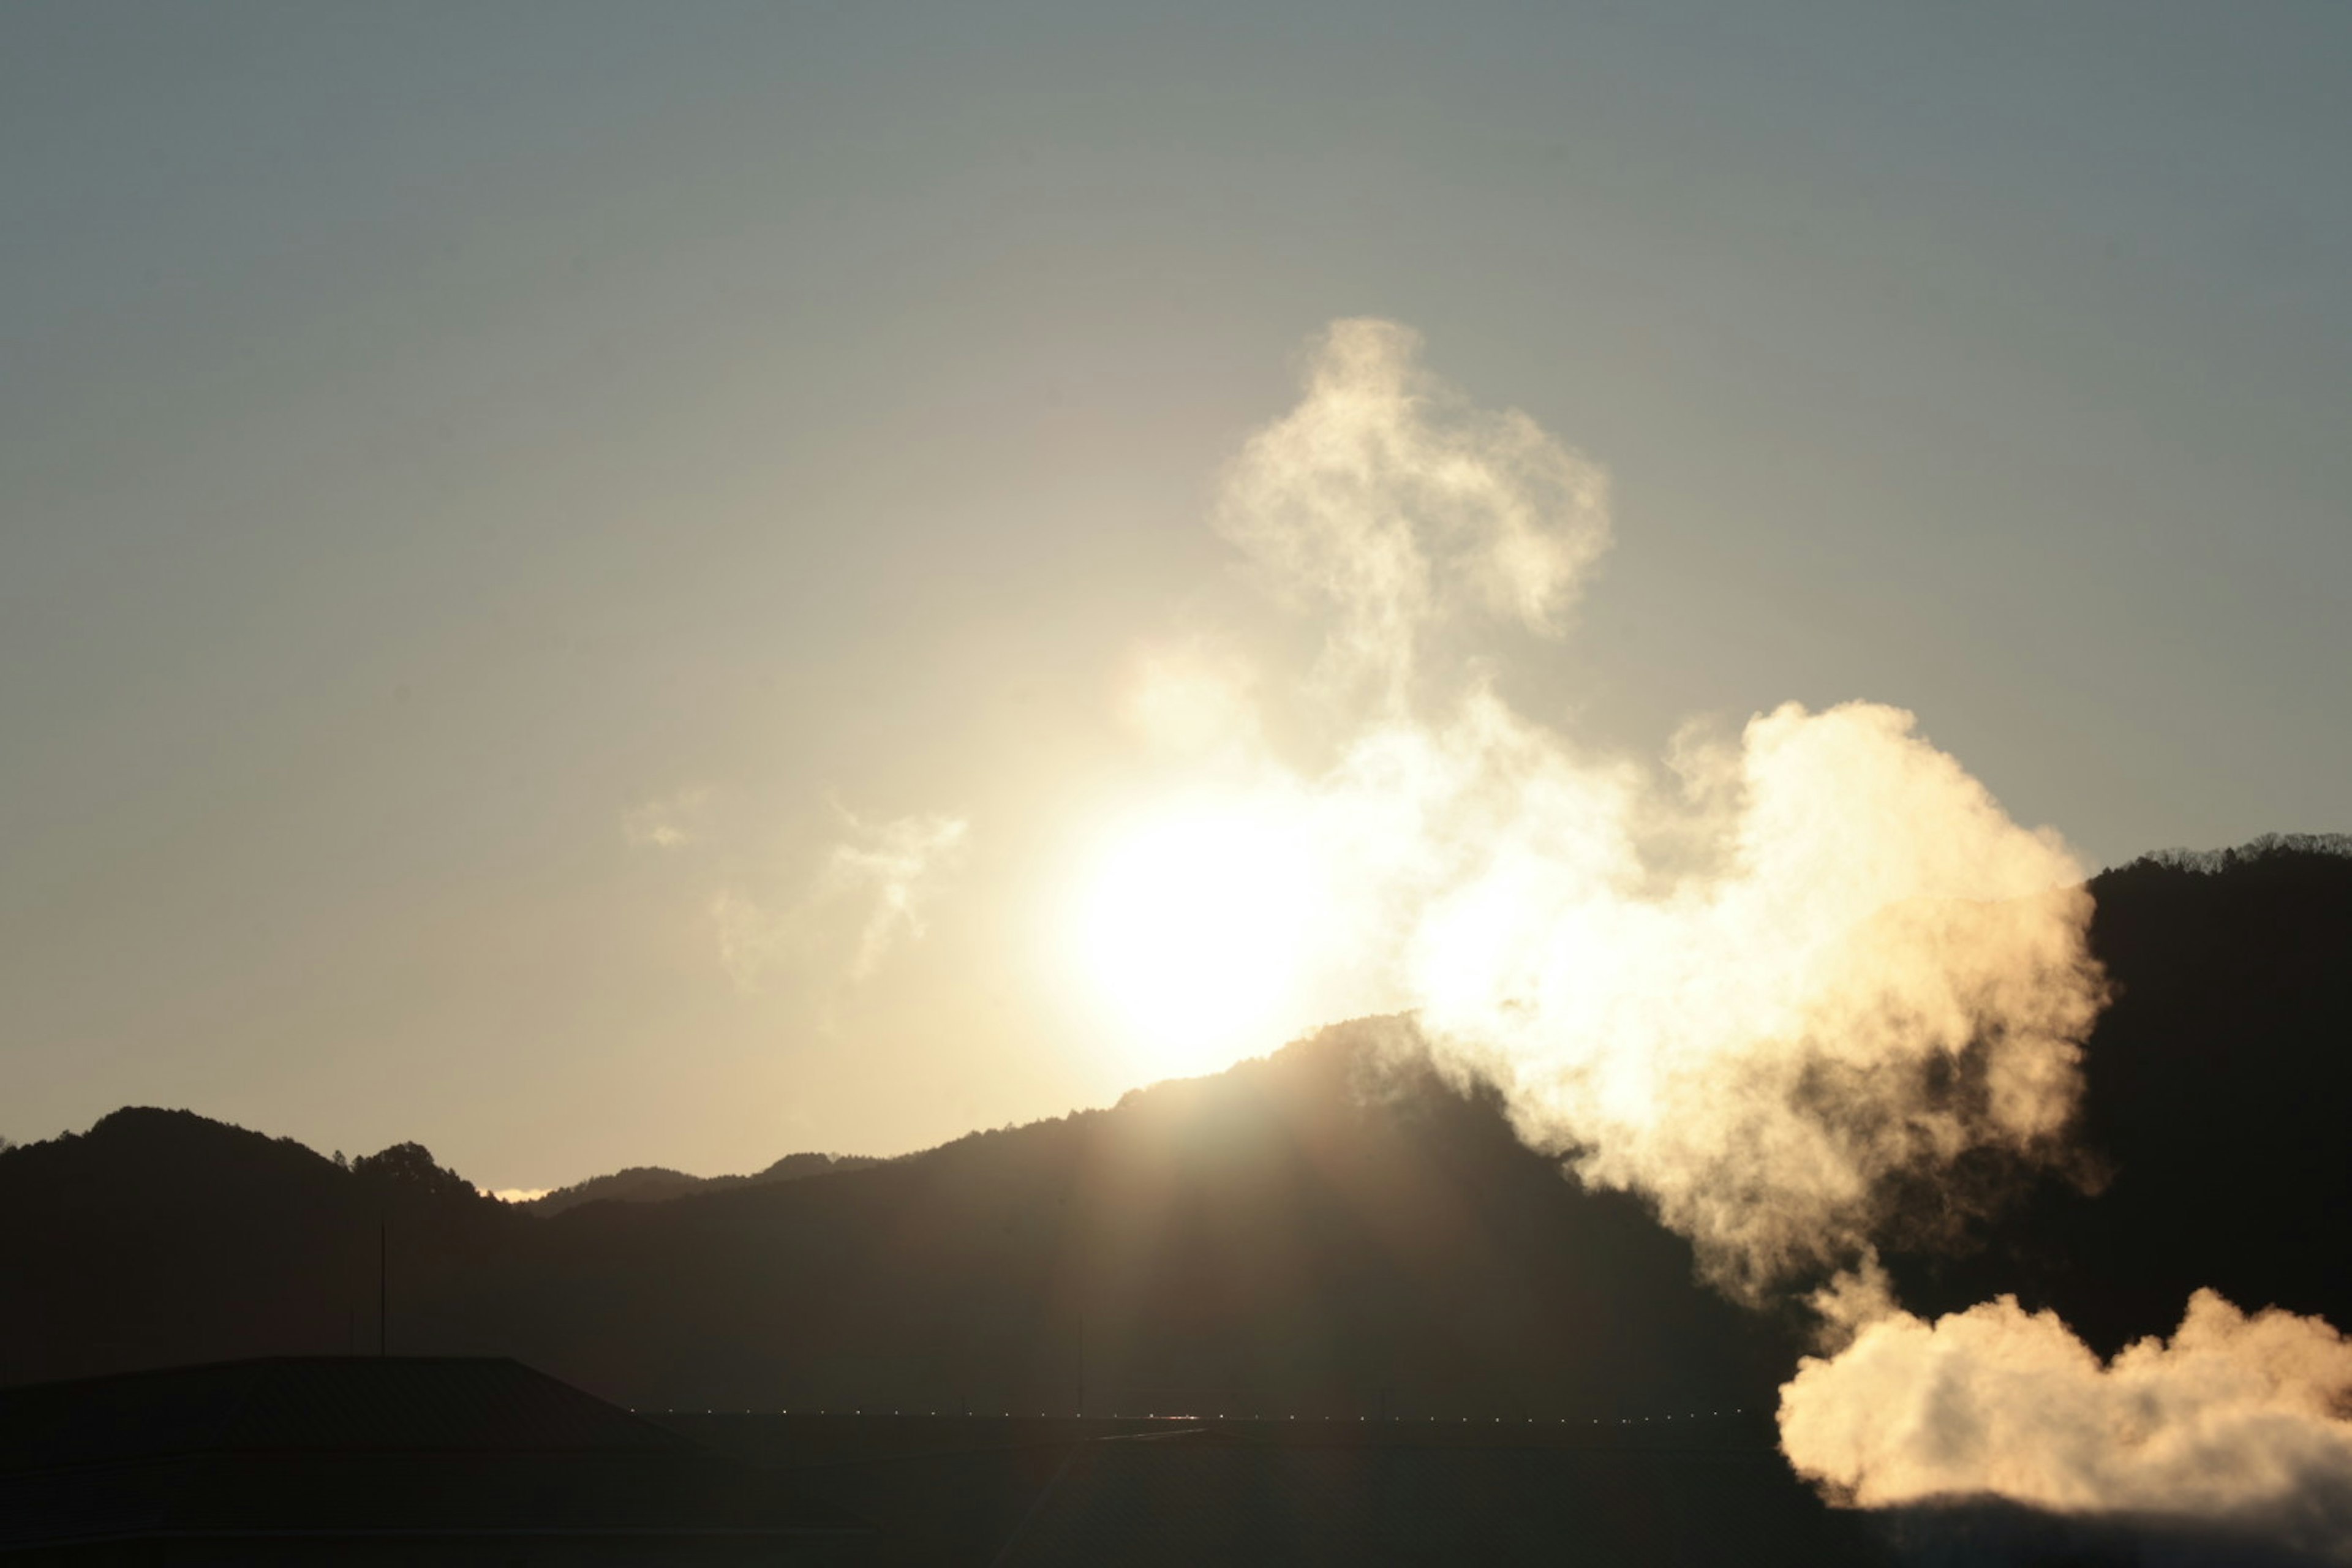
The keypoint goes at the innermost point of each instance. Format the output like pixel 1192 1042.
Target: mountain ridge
pixel 659 1184
pixel 1335 1227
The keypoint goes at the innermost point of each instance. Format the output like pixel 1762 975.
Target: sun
pixel 1192 932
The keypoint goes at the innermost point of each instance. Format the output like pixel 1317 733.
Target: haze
pixel 580 592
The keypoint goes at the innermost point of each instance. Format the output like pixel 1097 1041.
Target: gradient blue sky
pixel 430 432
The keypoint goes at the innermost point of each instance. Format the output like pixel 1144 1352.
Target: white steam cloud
pixel 1759 985
pixel 2237 1419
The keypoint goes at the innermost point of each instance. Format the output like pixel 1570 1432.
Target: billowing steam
pixel 2238 1419
pixel 1757 985
pixel 1773 985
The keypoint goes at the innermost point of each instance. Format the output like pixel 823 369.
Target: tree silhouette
pixel 410 1167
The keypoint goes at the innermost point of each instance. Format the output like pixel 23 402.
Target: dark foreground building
pixel 1020 1493
pixel 392 1460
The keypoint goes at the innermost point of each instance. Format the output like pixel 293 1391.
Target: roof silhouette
pixel 318 1404
pixel 343 1453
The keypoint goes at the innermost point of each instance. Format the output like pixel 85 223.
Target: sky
pixel 571 577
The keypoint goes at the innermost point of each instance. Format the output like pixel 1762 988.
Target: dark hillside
pixel 1304 1233
pixel 159 1236
pixel 1297 1234
pixel 1274 1234
pixel 2219 1105
pixel 658 1183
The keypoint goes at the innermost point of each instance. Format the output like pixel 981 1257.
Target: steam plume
pixel 1759 983
pixel 2237 1419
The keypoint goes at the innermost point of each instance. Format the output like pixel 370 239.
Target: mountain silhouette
pixel 658 1183
pixel 1337 1228
pixel 1301 1231
pixel 2218 1100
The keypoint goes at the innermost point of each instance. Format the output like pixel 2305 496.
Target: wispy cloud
pixel 672 822
pixel 892 867
pixel 1388 503
pixel 878 880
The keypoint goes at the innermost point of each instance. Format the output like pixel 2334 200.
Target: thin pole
pixel 382 1292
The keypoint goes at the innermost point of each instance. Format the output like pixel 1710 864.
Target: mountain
pixel 658 1183
pixel 1335 1228
pixel 2216 1113
pixel 1300 1231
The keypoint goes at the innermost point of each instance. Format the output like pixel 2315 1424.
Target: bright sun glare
pixel 1191 932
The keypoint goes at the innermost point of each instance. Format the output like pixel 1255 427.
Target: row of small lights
pixel 1155 1415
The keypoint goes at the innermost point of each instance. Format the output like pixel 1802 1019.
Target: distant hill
pixel 658 1183
pixel 1332 1228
